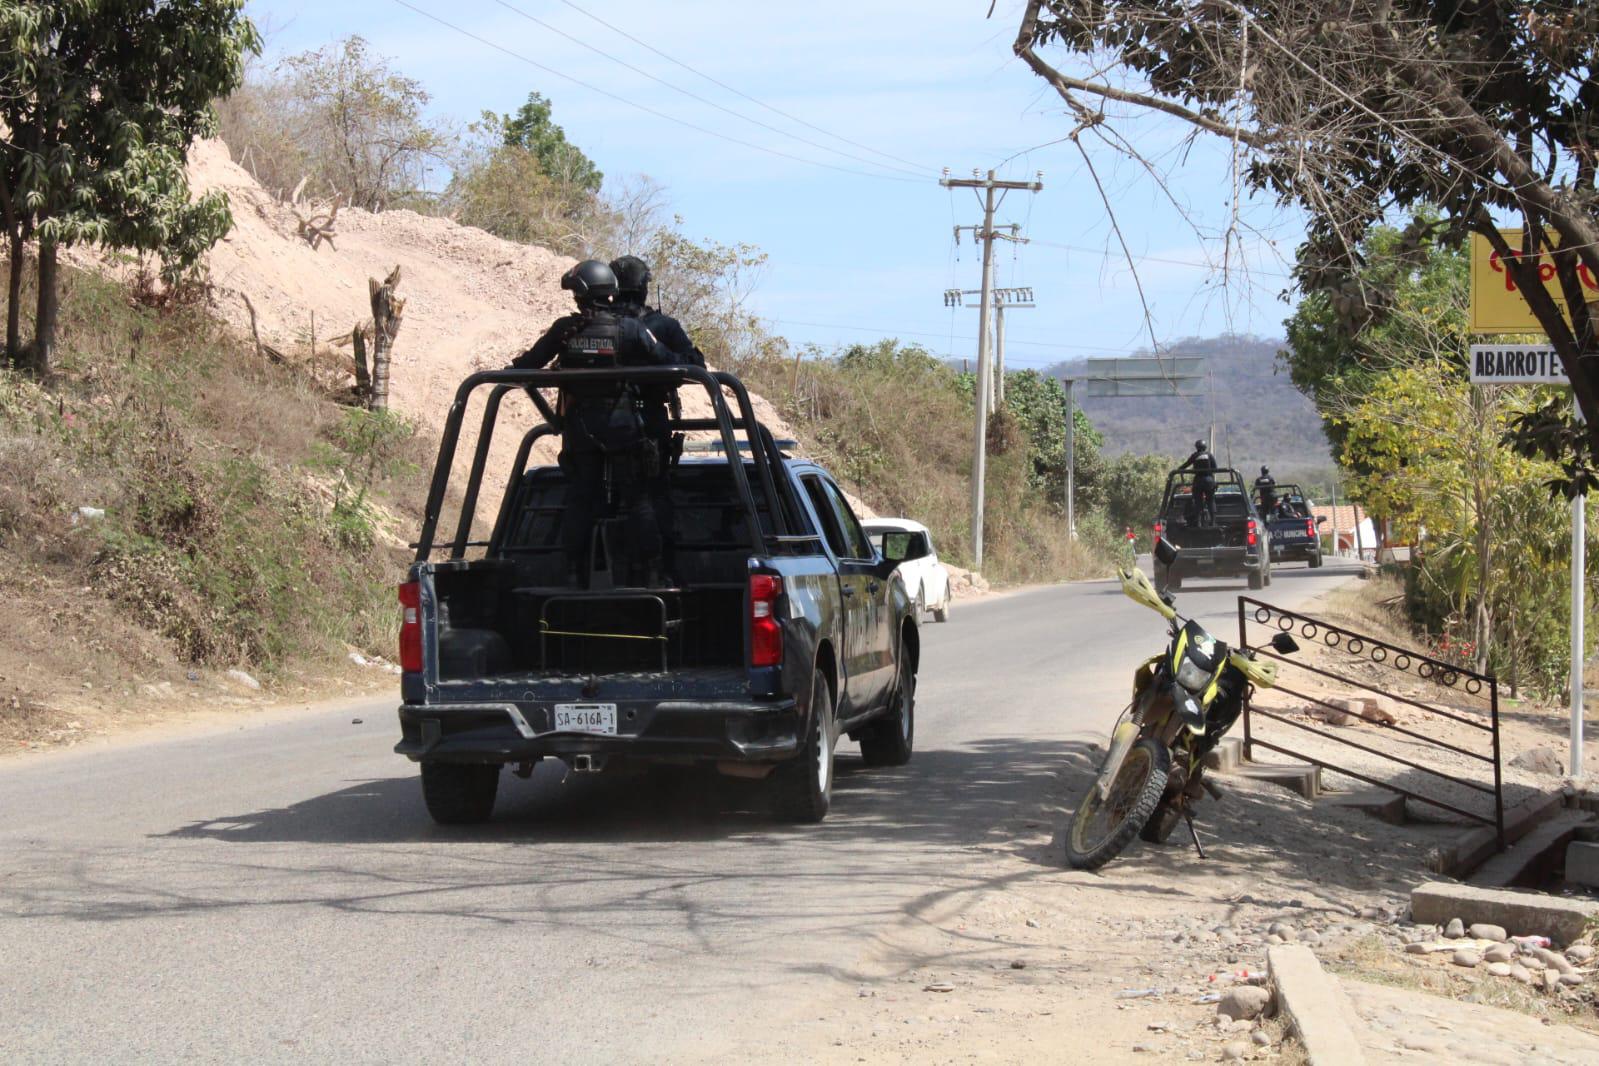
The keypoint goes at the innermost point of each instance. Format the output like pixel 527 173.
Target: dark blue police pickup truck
pixel 1293 528
pixel 781 630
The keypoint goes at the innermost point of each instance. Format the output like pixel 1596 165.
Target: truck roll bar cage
pixel 763 449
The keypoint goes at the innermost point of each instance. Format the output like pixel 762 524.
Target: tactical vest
pixel 596 345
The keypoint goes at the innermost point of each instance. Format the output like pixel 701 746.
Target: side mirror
pixel 1283 644
pixel 1321 520
pixel 1165 552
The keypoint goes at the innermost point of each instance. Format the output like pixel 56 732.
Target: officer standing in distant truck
pixel 657 403
pixel 1266 492
pixel 602 430
pixel 1203 465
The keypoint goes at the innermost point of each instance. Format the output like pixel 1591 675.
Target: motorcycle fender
pixel 1145 674
pixel 1121 742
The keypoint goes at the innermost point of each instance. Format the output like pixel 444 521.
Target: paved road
pixel 277 892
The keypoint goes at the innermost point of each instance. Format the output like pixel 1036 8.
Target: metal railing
pixel 1388 657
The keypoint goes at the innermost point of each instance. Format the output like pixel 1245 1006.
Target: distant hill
pixel 1259 416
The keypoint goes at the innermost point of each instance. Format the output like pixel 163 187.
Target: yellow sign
pixel 1497 305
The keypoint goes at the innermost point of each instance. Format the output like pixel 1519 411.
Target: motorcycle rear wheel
pixel 1100 830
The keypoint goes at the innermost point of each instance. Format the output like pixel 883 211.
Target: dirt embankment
pixel 473 300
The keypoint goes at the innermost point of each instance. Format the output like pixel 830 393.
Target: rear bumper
pixel 492 732
pixel 1217 561
pixel 1300 550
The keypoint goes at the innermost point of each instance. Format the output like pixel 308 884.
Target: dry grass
pixel 214 550
pixel 1376 962
pixel 897 432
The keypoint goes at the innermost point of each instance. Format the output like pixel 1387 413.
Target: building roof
pixel 1343 517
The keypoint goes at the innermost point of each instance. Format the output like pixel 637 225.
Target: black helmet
pixel 632 275
pixel 589 281
pixel 1199 446
pixel 1264 472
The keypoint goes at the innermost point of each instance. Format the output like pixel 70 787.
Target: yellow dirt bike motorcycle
pixel 1184 701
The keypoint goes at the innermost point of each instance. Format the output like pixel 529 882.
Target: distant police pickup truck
pixel 783 630
pixel 1231 541
pixel 1293 528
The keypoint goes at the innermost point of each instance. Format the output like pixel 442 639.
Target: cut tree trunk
pixel 363 376
pixel 44 324
pixel 14 301
pixel 388 310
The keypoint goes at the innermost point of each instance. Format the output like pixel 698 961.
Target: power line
pixel 647 110
pixel 695 96
pixel 1103 254
pixel 743 95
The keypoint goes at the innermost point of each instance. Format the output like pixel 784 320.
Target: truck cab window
pixel 856 546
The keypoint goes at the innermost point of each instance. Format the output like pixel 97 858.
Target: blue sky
pixel 854 257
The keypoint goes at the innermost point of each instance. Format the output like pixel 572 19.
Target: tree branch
pixel 1065 85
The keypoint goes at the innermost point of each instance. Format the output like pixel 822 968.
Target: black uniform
pixel 657 405
pixel 1203 464
pixel 601 425
pixel 1266 492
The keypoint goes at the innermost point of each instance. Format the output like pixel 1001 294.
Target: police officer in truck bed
pixel 657 403
pixel 602 429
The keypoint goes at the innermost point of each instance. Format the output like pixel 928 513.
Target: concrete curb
pixel 1477 846
pixel 1520 913
pixel 1314 1007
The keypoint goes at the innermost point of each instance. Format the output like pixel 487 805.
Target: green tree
pixel 100 100
pixel 1132 490
pixel 1484 110
pixel 520 179
pixel 532 130
pixel 1348 329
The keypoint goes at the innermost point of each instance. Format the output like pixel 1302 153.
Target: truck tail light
pixel 1251 537
pixel 766 632
pixel 1310 526
pixel 1160 530
pixel 411 627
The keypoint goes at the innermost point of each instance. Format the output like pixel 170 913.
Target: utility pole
pixel 988 186
pixel 1071 461
pixel 1005 299
pixel 1579 569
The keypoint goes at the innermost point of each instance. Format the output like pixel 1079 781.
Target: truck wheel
pixel 1256 581
pixel 459 793
pixel 1315 561
pixel 888 741
pixel 803 787
pixel 941 614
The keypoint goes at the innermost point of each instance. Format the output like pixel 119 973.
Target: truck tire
pixel 459 793
pixel 1315 561
pixel 941 614
pixel 888 741
pixel 1256 581
pixel 803 786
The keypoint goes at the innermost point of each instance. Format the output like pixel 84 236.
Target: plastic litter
pixel 1137 993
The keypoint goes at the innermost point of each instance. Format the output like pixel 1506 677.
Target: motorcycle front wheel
pixel 1102 828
